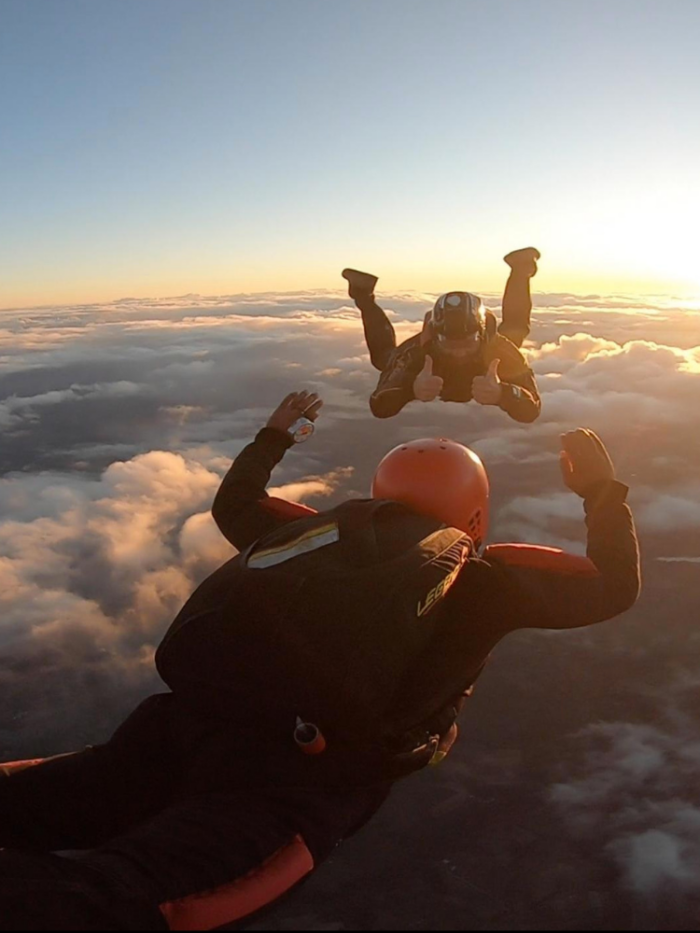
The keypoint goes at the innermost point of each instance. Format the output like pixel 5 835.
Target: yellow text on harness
pixel 437 592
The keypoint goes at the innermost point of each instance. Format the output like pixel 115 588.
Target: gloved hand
pixel 584 461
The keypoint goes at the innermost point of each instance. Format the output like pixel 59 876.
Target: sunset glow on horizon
pixel 485 279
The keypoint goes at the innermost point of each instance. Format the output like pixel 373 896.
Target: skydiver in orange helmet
pixel 309 673
pixel 461 353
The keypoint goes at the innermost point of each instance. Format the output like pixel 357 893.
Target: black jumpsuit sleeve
pixel 555 598
pixel 239 507
pixel 521 399
pixel 395 387
pixel 387 402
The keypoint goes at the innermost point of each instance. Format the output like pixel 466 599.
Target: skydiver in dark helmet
pixel 462 352
pixel 309 673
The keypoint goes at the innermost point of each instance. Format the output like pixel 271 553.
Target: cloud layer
pixel 119 421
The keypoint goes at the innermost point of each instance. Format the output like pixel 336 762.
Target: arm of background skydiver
pixel 520 398
pixel 395 386
pixel 396 383
pixel 551 589
pixel 385 403
pixel 242 508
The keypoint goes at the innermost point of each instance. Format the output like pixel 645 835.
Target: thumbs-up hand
pixel 426 386
pixel 487 389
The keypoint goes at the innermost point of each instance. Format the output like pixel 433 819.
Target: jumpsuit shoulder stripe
pixel 309 541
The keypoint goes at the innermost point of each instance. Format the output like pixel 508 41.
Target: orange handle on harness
pixel 309 738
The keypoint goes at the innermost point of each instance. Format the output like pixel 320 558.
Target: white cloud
pixel 637 797
pixel 15 408
pixel 312 486
pixel 679 560
pixel 672 513
pixel 98 569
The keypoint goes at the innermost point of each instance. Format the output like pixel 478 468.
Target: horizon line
pixel 329 291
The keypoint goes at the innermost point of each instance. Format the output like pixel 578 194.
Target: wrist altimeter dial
pixel 301 430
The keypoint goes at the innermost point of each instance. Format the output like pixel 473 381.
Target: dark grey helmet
pixel 457 315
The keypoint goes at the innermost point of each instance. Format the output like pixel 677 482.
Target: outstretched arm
pixel 404 380
pixel 520 398
pixel 550 589
pixel 242 508
pixel 387 401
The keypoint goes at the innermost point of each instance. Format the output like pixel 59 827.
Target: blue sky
pixel 172 146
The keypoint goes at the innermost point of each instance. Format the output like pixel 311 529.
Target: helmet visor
pixel 459 346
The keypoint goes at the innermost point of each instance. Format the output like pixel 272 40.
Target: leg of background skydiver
pixel 202 863
pixel 379 332
pixel 517 303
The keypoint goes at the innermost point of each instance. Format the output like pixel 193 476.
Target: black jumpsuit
pixel 399 365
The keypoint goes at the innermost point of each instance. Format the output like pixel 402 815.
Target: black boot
pixel 524 259
pixel 360 284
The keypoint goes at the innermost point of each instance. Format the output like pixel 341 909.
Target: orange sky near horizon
pixel 394 277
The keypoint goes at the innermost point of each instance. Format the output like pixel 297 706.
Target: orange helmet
pixel 439 478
